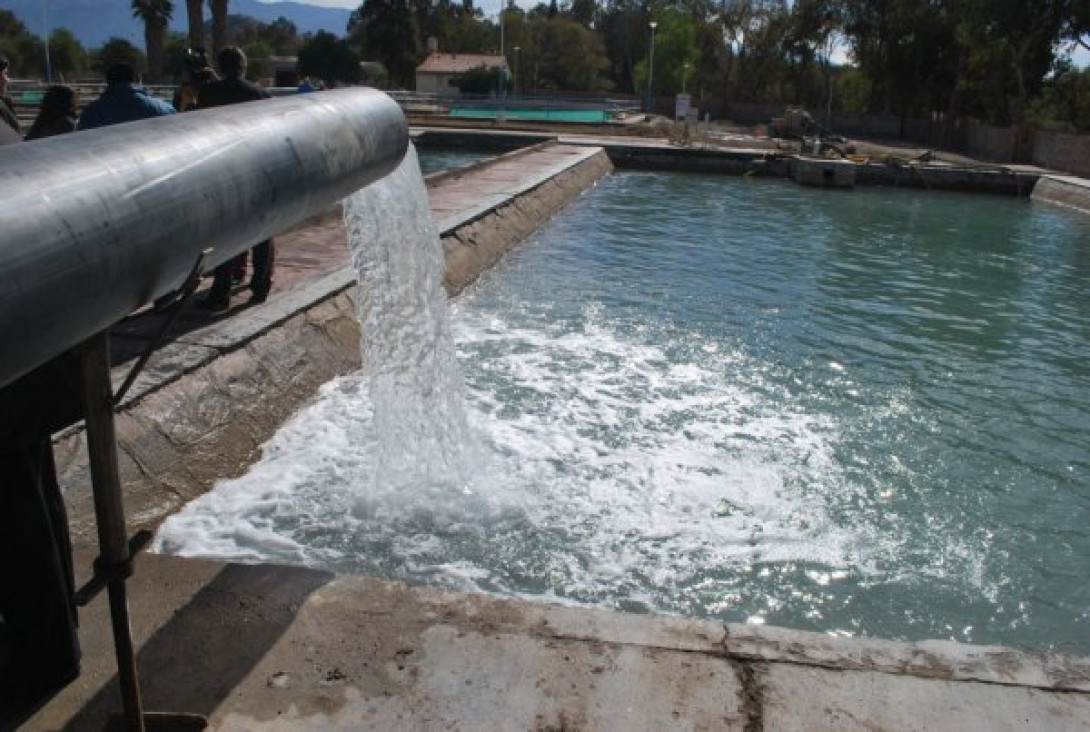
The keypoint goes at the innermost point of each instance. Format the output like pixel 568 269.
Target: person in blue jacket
pixel 124 100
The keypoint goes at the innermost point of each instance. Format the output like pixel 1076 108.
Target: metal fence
pixel 539 106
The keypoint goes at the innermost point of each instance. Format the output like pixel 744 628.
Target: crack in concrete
pixel 735 657
pixel 751 695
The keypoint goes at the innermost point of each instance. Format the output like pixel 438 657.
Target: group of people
pixel 39 643
pixel 125 100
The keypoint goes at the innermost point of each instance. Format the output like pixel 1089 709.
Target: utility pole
pixel 45 35
pixel 651 67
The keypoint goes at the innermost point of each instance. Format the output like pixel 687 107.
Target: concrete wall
pixel 1073 193
pixel 994 144
pixel 429 83
pixel 971 137
pixel 476 246
pixel 1062 151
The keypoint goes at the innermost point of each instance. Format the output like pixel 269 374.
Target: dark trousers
pixel 263 256
pixel 39 645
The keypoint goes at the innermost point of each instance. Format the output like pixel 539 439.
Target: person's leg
pixel 41 653
pixel 239 272
pixel 264 255
pixel 219 297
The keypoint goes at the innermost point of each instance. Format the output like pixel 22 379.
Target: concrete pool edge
pixel 273 647
pixel 627 153
pixel 1064 190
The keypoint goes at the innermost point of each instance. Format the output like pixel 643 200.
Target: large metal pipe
pixel 95 224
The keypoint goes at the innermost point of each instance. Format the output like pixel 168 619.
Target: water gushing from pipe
pixel 413 380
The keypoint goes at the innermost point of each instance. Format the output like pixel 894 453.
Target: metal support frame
pixel 114 564
pixel 173 303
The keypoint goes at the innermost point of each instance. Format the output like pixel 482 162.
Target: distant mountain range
pixel 93 22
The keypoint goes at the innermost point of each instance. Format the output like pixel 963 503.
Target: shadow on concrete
pixel 130 337
pixel 196 659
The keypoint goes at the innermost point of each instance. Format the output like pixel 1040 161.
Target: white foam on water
pixel 600 464
pixel 614 475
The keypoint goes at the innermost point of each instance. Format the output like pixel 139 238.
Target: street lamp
pixel 651 66
pixel 515 81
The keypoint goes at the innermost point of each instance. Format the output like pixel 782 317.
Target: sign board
pixel 681 105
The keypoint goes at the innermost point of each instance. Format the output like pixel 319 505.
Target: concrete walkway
pixel 277 648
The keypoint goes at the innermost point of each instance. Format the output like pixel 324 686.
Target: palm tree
pixel 219 25
pixel 194 10
pixel 156 15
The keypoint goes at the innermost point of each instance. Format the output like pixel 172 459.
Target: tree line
pixel 1003 61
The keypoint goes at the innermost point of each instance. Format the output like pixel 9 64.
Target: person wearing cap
pixel 7 109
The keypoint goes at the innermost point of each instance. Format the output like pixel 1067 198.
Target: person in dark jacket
pixel 123 101
pixel 235 89
pixel 185 98
pixel 56 115
pixel 7 109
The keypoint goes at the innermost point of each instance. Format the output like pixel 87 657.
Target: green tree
pixel 116 51
pixel 757 68
pixel 257 55
pixel 910 50
pixel 387 31
pixel 282 36
pixel 624 31
pixel 1025 34
pixel 583 12
pixel 326 57
pixel 174 52
pixel 66 55
pixel 807 44
pixel 482 80
pixel 458 27
pixel 675 47
pixel 155 15
pixel 709 68
pixel 566 56
pixel 24 50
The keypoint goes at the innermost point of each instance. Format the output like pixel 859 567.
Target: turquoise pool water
pixel 433 161
pixel 861 413
pixel 597 116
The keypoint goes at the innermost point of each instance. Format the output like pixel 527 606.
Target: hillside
pixel 95 21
